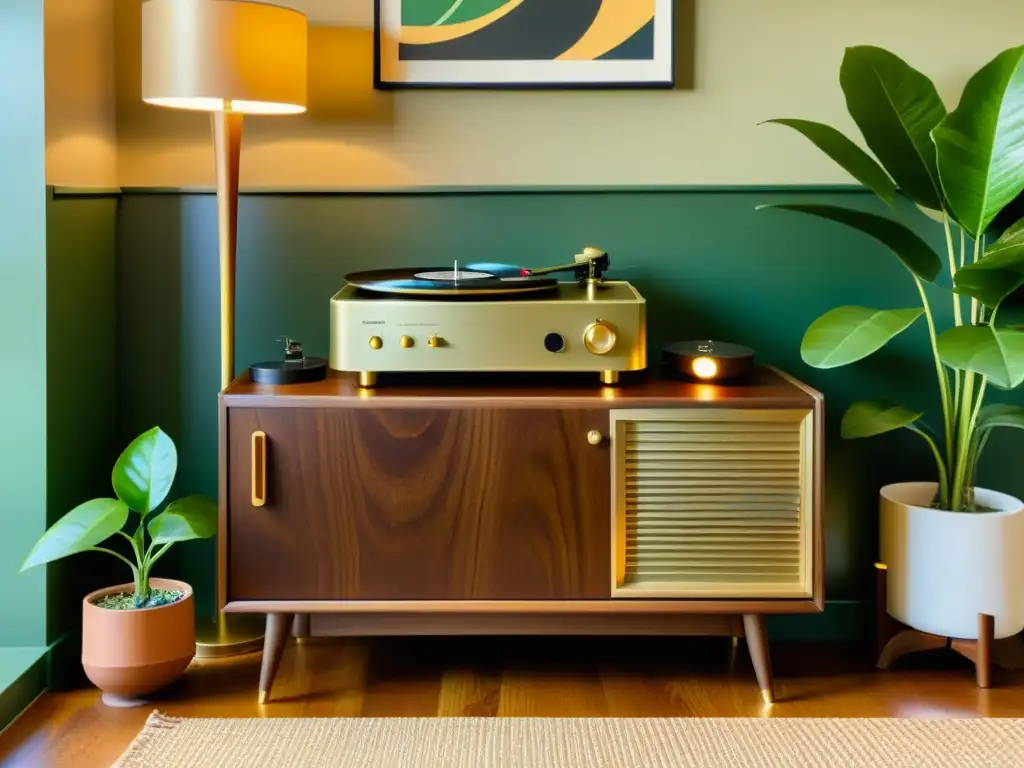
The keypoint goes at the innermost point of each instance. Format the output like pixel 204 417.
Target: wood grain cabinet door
pixel 400 504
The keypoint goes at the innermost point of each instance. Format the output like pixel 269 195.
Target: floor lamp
pixel 228 58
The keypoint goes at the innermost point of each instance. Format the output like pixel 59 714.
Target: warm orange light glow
pixel 707 392
pixel 209 104
pixel 704 368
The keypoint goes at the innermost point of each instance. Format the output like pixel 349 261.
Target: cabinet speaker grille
pixel 712 502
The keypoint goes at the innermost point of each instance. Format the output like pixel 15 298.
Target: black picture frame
pixel 664 7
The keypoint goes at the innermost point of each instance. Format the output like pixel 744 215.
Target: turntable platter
pixel 440 282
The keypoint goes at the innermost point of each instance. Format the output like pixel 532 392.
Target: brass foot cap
pixel 767 696
pixel 262 698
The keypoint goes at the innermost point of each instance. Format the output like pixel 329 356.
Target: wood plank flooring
pixel 509 677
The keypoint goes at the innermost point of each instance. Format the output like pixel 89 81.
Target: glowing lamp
pixel 228 58
pixel 709 362
pixel 704 367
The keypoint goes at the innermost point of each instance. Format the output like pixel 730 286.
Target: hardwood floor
pixel 548 677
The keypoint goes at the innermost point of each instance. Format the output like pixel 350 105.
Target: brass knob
pixel 594 437
pixel 405 342
pixel 375 342
pixel 434 341
pixel 599 338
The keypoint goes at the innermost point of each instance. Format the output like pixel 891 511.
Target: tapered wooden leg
pixel 983 664
pixel 757 643
pixel 279 625
pixel 300 627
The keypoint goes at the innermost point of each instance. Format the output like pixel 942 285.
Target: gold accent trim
pixel 367 379
pixel 259 468
pixel 609 378
pixel 767 696
pixel 227 148
pixel 881 566
pixel 799 587
pixel 262 697
pixel 228 634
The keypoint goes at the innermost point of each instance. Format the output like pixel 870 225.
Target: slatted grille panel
pixel 712 502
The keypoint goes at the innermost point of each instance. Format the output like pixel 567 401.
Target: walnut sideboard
pixel 656 507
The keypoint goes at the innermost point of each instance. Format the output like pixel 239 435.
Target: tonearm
pixel 588 268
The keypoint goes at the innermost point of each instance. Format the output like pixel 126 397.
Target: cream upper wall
pixel 754 60
pixel 81 142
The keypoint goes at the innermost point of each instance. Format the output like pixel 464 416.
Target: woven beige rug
pixel 168 742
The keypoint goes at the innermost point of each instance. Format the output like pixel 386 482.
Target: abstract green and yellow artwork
pixel 525 43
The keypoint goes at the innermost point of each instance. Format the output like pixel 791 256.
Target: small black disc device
pixel 295 368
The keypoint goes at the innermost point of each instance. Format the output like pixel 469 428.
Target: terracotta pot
pixel 130 653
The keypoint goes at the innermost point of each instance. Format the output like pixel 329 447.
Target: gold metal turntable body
pixel 489 318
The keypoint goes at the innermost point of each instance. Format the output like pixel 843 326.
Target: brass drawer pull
pixel 594 437
pixel 259 468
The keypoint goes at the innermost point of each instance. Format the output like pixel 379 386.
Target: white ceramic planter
pixel 944 568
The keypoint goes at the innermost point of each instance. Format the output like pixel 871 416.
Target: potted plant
pixel 953 550
pixel 137 637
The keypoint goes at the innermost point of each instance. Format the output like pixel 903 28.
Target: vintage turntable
pixel 489 318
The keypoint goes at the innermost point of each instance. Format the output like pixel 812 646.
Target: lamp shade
pixel 223 55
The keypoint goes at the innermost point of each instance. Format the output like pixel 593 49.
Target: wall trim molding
pixel 62 191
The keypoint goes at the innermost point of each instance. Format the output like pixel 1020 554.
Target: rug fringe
pixel 156 722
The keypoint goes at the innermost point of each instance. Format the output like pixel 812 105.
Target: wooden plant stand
pixel 895 639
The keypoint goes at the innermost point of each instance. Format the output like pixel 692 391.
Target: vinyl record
pixel 454 282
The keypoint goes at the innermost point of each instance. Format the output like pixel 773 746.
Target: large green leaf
pixel 1010 242
pixel 83 527
pixel 852 158
pixel 914 252
pixel 987 285
pixel 144 472
pixel 981 143
pixel 846 334
pixel 194 517
pixel 1001 415
pixel 999 273
pixel 868 418
pixel 997 353
pixel 896 107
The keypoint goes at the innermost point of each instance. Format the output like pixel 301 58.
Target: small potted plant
pixel 137 637
pixel 953 550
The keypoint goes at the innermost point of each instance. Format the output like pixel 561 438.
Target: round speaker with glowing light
pixel 712 362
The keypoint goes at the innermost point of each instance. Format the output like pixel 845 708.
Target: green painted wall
pixel 22 320
pixel 707 262
pixel 81 428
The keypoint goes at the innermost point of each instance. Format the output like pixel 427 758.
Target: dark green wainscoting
pixel 707 262
pixel 81 401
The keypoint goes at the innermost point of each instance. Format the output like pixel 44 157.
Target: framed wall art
pixel 524 43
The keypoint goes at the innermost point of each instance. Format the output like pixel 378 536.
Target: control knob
pixel 599 338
